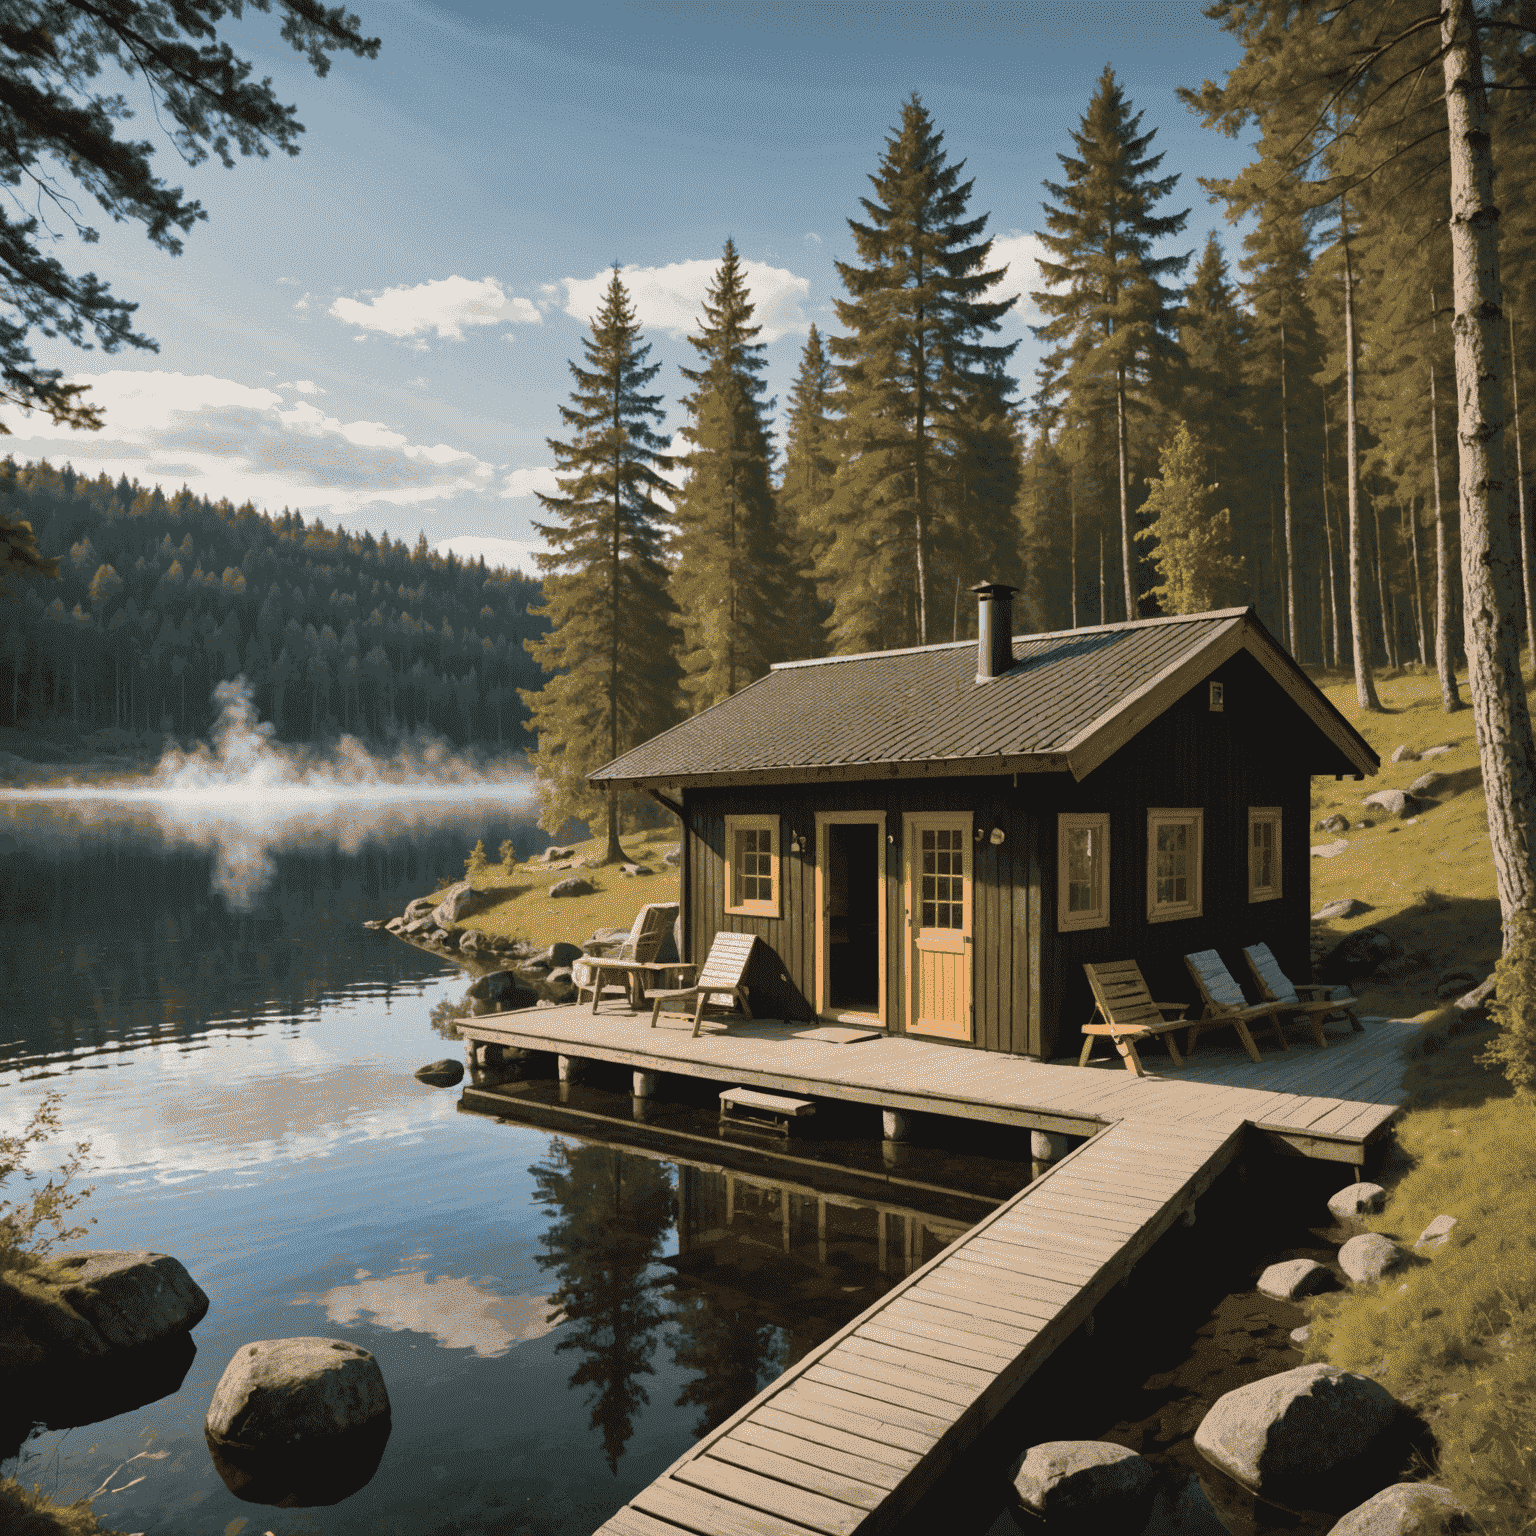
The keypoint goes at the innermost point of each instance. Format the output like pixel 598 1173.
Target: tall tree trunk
pixel 1365 684
pixel 1333 581
pixel 1525 526
pixel 1450 692
pixel 1418 584
pixel 1102 619
pixel 1285 472
pixel 1125 496
pixel 614 854
pixel 1388 612
pixel 1490 577
pixel 1072 519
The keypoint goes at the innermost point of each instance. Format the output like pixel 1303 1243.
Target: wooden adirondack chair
pixel 1275 986
pixel 1126 1013
pixel 721 977
pixel 1224 1003
pixel 636 959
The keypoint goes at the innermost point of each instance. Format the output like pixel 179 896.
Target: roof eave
pixel 831 773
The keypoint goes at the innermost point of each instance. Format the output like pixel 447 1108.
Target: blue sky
pixel 378 330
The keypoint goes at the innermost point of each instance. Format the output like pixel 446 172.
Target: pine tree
pixel 1191 539
pixel 810 453
pixel 1113 324
pixel 918 385
pixel 730 571
pixel 609 653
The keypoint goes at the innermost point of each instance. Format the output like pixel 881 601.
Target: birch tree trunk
pixel 1450 693
pixel 1365 684
pixel 1525 524
pixel 1333 582
pixel 1490 571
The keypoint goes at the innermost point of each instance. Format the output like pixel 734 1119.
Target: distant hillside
pixel 162 599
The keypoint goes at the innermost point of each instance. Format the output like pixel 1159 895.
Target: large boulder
pixel 420 907
pixel 1404 754
pixel 1296 1278
pixel 1437 1234
pixel 1408 1509
pixel 1086 1485
pixel 1358 955
pixel 1436 751
pixel 1427 783
pixel 500 992
pixel 560 953
pixel 575 886
pixel 1333 823
pixel 560 984
pixel 1330 850
pixel 1393 802
pixel 1347 906
pixel 282 1391
pixel 446 1073
pixel 457 903
pixel 1357 1200
pixel 1365 1259
pixel 1184 1511
pixel 1286 1436
pixel 553 855
pixel 89 1303
pixel 417 927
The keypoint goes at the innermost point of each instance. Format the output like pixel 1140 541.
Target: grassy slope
pixel 1455 1334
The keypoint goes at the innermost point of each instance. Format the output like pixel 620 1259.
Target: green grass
pixel 1455 1334
pixel 521 907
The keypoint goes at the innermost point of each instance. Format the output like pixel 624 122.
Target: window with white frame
pixel 1082 870
pixel 1174 839
pixel 1263 852
pixel 752 865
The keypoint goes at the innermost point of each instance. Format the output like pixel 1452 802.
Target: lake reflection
pixel 556 1317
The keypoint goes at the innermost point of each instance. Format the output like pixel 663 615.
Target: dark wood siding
pixel 1029 992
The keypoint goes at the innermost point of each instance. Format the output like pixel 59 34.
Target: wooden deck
pixel 849 1438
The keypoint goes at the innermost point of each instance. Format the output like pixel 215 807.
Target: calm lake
pixel 557 1311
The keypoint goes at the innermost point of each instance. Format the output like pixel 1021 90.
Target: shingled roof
pixel 1070 699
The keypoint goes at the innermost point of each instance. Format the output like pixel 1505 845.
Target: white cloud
pixel 812 238
pixel 417 383
pixel 1021 254
pixel 524 482
pixel 305 387
pixel 443 306
pixel 513 554
pixel 222 438
pixel 670 298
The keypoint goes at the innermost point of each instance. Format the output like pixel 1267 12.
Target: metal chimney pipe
pixel 994 629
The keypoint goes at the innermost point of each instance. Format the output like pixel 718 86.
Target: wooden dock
pixel 849 1438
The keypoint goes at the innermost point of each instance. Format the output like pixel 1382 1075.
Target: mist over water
pixel 245 797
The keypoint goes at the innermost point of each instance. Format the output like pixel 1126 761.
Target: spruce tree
pixel 1111 318
pixel 1191 537
pixel 729 574
pixel 919 384
pixel 609 653
pixel 810 453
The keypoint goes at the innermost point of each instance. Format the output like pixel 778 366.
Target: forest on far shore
pixel 159 599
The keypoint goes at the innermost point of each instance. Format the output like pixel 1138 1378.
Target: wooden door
pixel 939 874
pixel 827 1005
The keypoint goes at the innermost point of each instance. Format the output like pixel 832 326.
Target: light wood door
pixel 939 949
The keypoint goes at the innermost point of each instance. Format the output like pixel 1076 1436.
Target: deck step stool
pixel 752 1110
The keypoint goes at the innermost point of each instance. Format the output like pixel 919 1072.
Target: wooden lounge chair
pixel 720 982
pixel 1275 986
pixel 636 959
pixel 1126 1013
pixel 1224 1003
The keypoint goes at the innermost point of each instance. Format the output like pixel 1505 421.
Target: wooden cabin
pixel 934 840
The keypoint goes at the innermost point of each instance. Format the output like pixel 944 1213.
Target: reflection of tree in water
pixel 612 1213
pixel 734 1353
pixel 444 1017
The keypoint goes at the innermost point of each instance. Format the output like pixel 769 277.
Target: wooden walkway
pixel 849 1438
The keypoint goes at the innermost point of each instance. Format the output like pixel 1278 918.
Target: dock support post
pixel 895 1124
pixel 570 1068
pixel 1188 1218
pixel 644 1084
pixel 893 1153
pixel 1045 1148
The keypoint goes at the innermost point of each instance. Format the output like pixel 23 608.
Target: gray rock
pixel 1437 1234
pixel 1437 751
pixel 1330 850
pixel 575 886
pixel 1408 1509
pixel 1404 754
pixel 418 908
pixel 98 1300
pixel 471 941
pixel 1476 1001
pixel 1427 783
pixel 1358 955
pixel 1296 1427
pixel 1301 1337
pixel 419 925
pixel 1365 1259
pixel 560 953
pixel 1393 802
pixel 553 855
pixel 1357 1200
pixel 446 1073
pixel 1348 906
pixel 632 870
pixel 1364 826
pixel 377 923
pixel 1086 1485
pixel 672 857
pixel 457 903
pixel 1187 1512
pixel 560 984
pixel 395 924
pixel 283 1391
pixel 1296 1278
pixel 1334 823
pixel 606 941
pixel 500 992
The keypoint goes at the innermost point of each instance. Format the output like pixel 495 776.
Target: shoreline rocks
pixel 1085 1486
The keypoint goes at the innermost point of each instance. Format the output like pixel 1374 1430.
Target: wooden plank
pixel 834 1437
pixel 964 1380
pixel 704 1514
pixel 961 1321
pixel 1109 1215
pixel 947 1346
pixel 903 1428
pixel 1025 1266
pixel 738 1450
pixel 1015 1293
pixel 635 1522
pixel 889 1389
pixel 980 1305
pixel 879 1476
pixel 863 1363
pixel 770 1497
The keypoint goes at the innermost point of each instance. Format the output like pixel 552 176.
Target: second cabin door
pixel 939 874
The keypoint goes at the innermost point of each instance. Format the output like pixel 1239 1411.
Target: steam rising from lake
pixel 247 797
